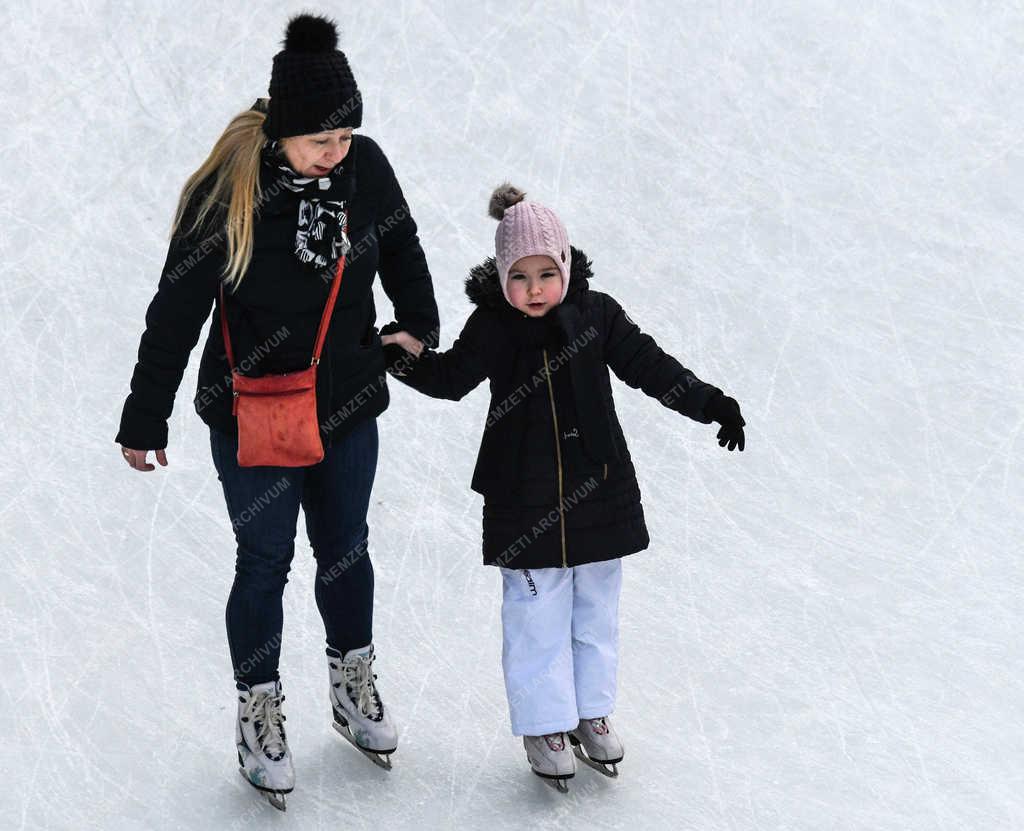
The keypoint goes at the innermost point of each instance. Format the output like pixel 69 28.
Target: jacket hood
pixel 482 286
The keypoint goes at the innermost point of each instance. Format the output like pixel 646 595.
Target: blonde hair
pixel 235 163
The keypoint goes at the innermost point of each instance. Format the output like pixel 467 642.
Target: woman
pixel 288 190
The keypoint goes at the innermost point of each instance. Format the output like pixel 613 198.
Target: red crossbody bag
pixel 277 418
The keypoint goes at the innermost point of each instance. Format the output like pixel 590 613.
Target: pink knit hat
pixel 525 229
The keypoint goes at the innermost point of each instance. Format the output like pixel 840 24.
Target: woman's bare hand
pixel 137 458
pixel 409 343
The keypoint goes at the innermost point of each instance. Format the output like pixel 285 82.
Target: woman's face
pixel 535 285
pixel 317 154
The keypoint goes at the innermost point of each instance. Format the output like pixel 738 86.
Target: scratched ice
pixel 816 206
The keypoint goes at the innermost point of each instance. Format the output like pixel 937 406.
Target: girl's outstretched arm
pixel 450 374
pixel 640 362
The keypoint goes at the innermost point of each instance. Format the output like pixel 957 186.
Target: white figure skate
pixel 551 759
pixel 597 745
pixel 263 757
pixel 359 713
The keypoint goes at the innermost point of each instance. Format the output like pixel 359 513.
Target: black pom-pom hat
pixel 311 85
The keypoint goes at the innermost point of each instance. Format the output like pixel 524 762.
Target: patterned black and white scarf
pixel 321 234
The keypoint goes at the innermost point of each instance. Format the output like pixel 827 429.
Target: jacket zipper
pixel 558 456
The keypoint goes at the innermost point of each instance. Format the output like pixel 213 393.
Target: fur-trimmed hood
pixel 482 286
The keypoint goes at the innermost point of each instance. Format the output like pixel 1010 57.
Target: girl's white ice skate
pixel 263 757
pixel 359 713
pixel 551 759
pixel 597 745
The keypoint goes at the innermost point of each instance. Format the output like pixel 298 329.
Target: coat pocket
pixel 371 338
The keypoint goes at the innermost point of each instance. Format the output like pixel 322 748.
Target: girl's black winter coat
pixel 558 483
pixel 274 314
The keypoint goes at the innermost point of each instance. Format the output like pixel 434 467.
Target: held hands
pixel 726 412
pixel 401 349
pixel 136 459
pixel 410 344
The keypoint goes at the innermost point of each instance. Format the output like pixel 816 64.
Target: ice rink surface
pixel 816 206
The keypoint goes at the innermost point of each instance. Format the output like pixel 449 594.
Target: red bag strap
pixel 325 319
pixel 321 335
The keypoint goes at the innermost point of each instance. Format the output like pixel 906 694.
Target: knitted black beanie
pixel 311 85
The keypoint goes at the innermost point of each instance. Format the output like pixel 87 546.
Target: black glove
pixel 726 411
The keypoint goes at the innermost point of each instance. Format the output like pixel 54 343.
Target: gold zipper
pixel 558 455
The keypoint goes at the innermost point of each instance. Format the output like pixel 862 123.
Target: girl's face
pixel 535 285
pixel 317 154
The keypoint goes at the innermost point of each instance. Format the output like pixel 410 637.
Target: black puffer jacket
pixel 274 315
pixel 558 483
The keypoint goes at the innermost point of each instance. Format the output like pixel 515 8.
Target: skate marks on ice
pixel 569 800
pixel 829 675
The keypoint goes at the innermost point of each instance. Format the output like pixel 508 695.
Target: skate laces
pixel 264 709
pixel 357 673
pixel 556 741
pixel 599 726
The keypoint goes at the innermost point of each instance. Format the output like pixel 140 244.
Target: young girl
pixel 561 501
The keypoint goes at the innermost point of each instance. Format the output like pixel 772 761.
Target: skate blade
pixel 559 783
pixel 382 760
pixel 275 798
pixel 609 769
